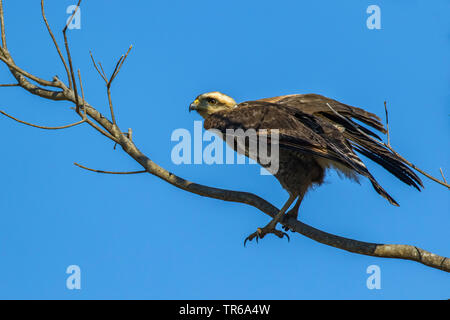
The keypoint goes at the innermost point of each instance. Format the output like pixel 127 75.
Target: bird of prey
pixel 316 133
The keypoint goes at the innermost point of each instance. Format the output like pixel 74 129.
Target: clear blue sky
pixel 139 237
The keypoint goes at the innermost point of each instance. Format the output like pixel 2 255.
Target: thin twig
pixel 69 57
pixel 93 113
pixel 108 90
pixel 113 75
pixel 10 85
pixel 103 132
pixel 82 91
pixel 111 108
pixel 56 44
pixel 109 172
pixel 119 65
pixel 92 124
pixel 13 66
pixel 98 128
pixel 442 174
pixel 111 79
pixel 42 127
pixel 101 67
pixel 2 26
pixel 390 148
pixel 96 68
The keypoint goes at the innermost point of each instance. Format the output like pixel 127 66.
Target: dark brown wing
pixel 317 104
pixel 314 104
pixel 297 131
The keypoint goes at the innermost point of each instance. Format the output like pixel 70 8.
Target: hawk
pixel 316 133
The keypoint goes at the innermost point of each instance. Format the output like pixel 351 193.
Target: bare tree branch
pixel 111 79
pixel 119 66
pixel 96 68
pixel 36 90
pixel 103 132
pixel 69 57
pixel 56 44
pixel 92 124
pixel 442 174
pixel 2 26
pixel 13 66
pixel 109 172
pixel 111 108
pixel 113 76
pixel 371 249
pixel 101 67
pixel 42 127
pixel 82 89
pixel 112 131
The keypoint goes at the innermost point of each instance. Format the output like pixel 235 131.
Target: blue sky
pixel 137 237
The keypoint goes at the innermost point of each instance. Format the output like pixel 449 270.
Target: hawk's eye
pixel 212 101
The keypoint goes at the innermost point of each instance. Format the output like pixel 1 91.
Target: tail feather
pixel 395 167
pixel 382 192
pixel 371 149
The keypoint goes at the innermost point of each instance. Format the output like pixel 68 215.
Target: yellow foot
pixel 262 232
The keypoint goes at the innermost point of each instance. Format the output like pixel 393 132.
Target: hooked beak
pixel 193 105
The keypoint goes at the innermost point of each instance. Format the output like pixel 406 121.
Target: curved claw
pixel 287 236
pixel 250 238
pixel 282 234
pixel 257 234
pixel 261 233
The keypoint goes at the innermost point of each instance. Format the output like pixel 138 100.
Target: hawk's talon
pixel 260 233
pixel 288 229
pixel 281 234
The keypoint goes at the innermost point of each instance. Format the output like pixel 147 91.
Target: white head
pixel 211 102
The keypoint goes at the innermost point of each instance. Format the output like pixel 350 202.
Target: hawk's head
pixel 211 102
